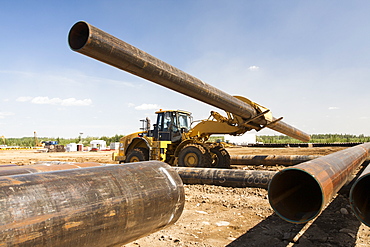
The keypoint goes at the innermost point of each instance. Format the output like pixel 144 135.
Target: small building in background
pixel 242 140
pixel 80 147
pixel 114 145
pixel 98 145
pixel 73 147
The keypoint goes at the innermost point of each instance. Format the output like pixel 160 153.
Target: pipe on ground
pixel 270 160
pixel 7 165
pixel 225 177
pixel 98 206
pixel 359 197
pixel 95 43
pixel 45 166
pixel 299 193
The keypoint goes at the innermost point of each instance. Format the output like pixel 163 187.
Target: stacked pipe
pixel 270 160
pixel 93 42
pixel 359 197
pixel 225 177
pixel 299 193
pixel 94 206
pixel 44 166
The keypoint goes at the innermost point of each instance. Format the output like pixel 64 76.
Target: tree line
pixel 31 142
pixel 315 138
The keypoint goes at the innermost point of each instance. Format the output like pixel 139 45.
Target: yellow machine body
pixel 172 133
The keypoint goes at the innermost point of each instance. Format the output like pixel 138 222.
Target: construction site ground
pixel 224 216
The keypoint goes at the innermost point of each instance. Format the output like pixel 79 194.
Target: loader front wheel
pixel 137 154
pixel 220 157
pixel 194 155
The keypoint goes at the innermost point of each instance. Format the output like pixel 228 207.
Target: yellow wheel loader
pixel 173 141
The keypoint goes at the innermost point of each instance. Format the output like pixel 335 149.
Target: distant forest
pixel 30 141
pixel 315 138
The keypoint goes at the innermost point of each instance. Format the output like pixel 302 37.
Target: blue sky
pixel 308 61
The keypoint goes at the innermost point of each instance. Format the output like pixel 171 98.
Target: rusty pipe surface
pixel 95 43
pixel 299 193
pixel 8 165
pixel 270 160
pixel 98 206
pixel 45 166
pixel 359 197
pixel 225 177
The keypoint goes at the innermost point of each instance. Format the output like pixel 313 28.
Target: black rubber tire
pixel 137 155
pixel 220 157
pixel 194 155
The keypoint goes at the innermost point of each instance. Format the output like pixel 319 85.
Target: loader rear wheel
pixel 137 154
pixel 194 155
pixel 220 157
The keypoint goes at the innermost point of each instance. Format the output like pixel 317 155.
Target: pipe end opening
pixel 295 195
pixel 360 199
pixel 78 35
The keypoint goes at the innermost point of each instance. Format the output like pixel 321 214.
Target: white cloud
pixel 23 99
pixel 5 114
pixel 76 102
pixel 333 108
pixel 147 107
pixel 46 101
pixel 56 101
pixel 130 104
pixel 254 68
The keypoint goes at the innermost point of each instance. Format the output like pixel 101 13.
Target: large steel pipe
pixel 45 166
pixel 359 197
pixel 225 177
pixel 299 193
pixel 7 165
pixel 270 160
pixel 99 206
pixel 93 42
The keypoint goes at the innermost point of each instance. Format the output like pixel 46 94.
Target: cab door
pixel 161 130
pixel 167 127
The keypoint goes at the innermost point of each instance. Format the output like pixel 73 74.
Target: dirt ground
pixel 223 216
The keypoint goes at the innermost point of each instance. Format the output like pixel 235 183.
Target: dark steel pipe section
pixel 7 165
pixel 225 177
pixel 98 206
pixel 299 193
pixel 93 42
pixel 270 160
pixel 45 166
pixel 359 197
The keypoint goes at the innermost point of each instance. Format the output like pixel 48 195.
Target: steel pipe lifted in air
pixel 271 160
pixel 359 197
pixel 299 193
pixel 98 206
pixel 225 177
pixel 95 43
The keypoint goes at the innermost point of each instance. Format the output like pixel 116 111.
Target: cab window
pixel 160 121
pixel 184 121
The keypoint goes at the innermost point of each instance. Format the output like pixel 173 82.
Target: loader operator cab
pixel 171 124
